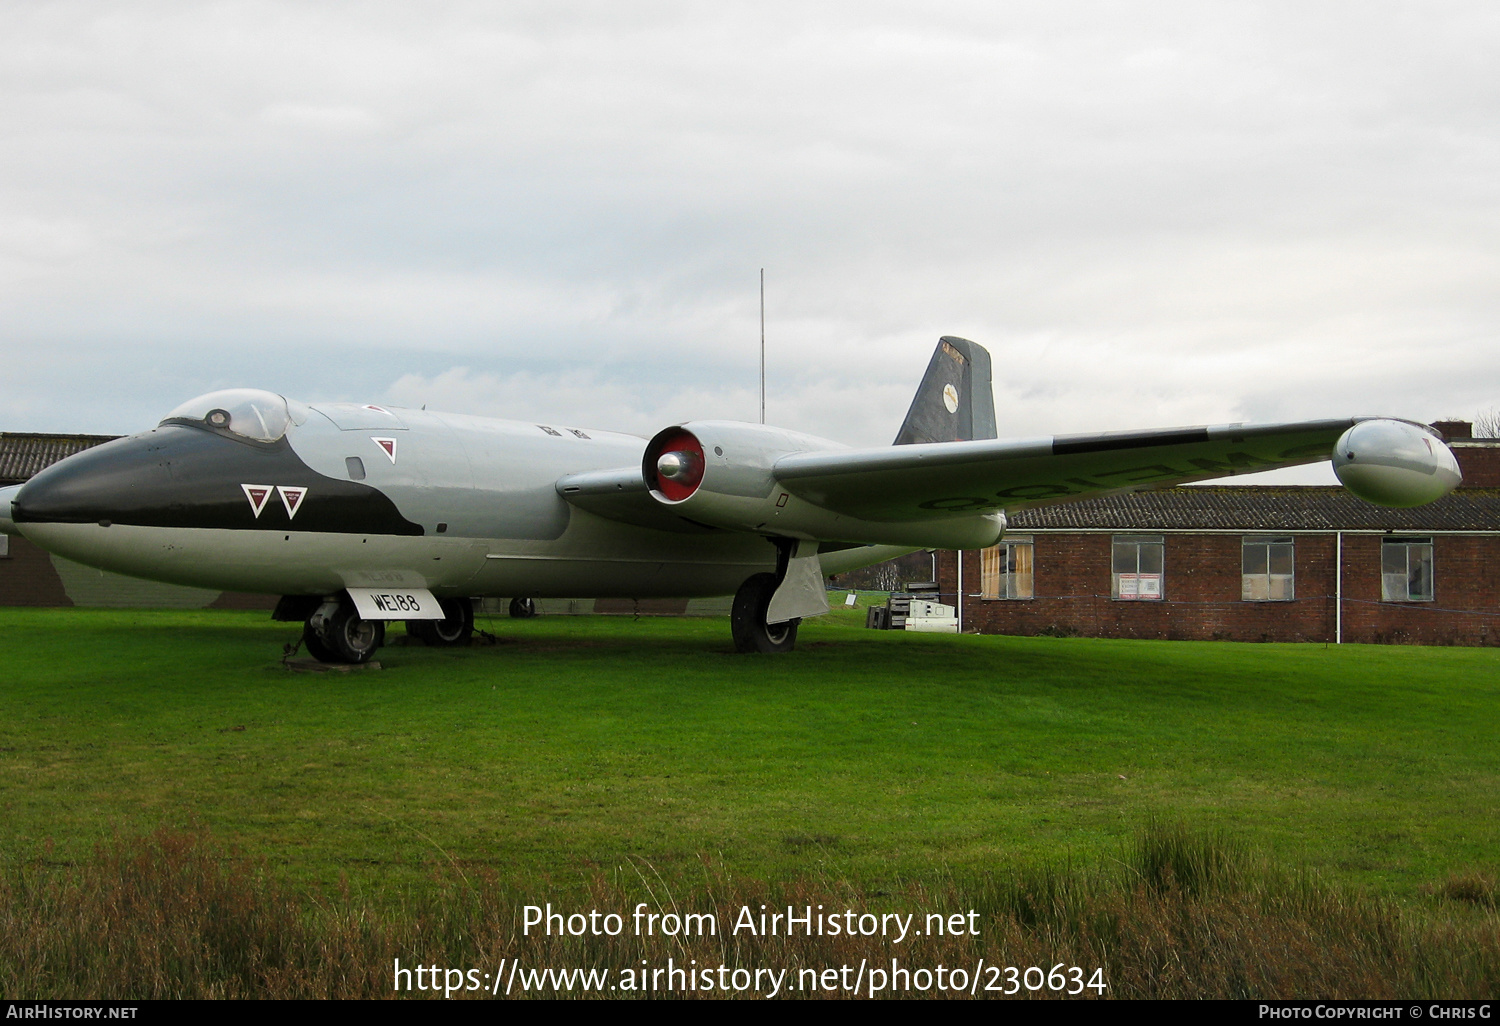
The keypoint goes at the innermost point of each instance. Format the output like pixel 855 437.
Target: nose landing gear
pixel 334 633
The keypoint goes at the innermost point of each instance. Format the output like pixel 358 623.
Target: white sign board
pixel 396 604
pixel 1140 586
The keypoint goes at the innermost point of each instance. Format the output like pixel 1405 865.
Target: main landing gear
pixel 747 620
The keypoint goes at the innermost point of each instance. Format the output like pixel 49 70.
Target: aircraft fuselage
pixel 370 497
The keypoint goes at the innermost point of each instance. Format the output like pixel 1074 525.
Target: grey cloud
pixel 1149 212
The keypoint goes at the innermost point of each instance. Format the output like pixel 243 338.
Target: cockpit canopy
pixel 263 416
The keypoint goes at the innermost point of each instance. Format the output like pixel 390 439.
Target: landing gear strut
pixel 747 621
pixel 522 608
pixel 454 630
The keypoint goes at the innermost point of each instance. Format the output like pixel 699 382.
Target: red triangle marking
pixel 387 444
pixel 292 498
pixel 258 496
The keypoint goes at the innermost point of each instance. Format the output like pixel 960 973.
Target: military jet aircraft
pixel 357 515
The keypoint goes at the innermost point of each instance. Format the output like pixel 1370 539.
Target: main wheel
pixel 454 630
pixel 747 621
pixel 522 608
pixel 347 638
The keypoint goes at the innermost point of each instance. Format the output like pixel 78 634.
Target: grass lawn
pixel 577 743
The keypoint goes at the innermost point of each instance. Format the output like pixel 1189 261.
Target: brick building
pixel 1247 563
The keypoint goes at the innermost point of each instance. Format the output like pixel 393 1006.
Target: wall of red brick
pixel 1465 585
pixel 27 577
pixel 1202 588
pixel 1479 462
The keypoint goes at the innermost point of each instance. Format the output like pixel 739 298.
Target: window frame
pixel 1268 576
pixel 1137 576
pixel 1408 543
pixel 999 576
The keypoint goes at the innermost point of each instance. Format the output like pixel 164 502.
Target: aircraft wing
pixel 744 477
pixel 940 480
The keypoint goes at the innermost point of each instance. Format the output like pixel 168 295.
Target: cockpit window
pixel 263 416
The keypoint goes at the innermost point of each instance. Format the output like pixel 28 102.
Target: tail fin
pixel 954 403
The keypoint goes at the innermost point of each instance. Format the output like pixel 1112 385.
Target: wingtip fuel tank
pixel 1395 463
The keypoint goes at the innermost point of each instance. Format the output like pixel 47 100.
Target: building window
pixel 1406 570
pixel 1006 570
pixel 1137 565
pixel 1268 568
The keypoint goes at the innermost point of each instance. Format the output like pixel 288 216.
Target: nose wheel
pixel 338 635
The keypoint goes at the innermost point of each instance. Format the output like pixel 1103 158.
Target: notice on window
pixel 1140 586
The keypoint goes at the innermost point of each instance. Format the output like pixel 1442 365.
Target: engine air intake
pixel 673 466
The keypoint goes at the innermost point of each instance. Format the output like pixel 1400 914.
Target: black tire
pixel 313 646
pixel 350 639
pixel 455 630
pixel 747 621
pixel 522 608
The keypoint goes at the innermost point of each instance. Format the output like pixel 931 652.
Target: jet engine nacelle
pixel 721 473
pixel 1395 463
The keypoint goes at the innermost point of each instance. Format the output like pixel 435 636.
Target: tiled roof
pixel 1263 508
pixel 23 455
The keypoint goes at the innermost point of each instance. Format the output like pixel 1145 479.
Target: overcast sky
pixel 1151 213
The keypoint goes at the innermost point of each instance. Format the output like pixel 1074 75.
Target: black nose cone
pixel 184 476
pixel 108 482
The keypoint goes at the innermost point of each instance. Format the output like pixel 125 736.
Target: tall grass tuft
pixel 1170 857
pixel 1181 914
pixel 1472 888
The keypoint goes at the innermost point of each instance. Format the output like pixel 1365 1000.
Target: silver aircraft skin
pixel 357 514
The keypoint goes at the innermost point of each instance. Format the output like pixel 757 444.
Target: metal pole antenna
pixel 762 345
pixel 1338 590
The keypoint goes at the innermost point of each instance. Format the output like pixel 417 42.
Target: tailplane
pixel 954 403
